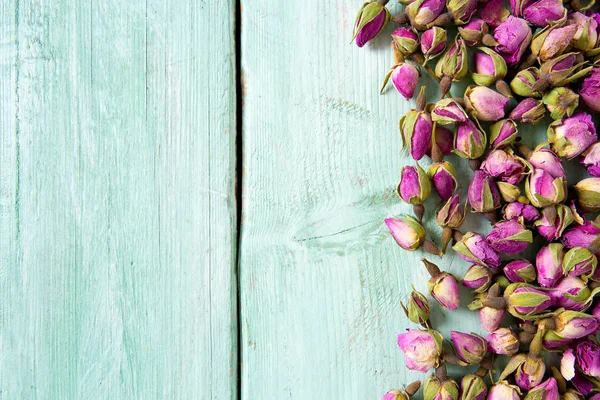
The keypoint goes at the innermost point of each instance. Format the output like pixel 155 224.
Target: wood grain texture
pixel 117 204
pixel 321 279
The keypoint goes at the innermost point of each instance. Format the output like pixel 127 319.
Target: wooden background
pixel 119 264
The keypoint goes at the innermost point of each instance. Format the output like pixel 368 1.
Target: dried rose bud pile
pixel 529 61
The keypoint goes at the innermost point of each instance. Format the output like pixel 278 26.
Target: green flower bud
pixel 489 67
pixel 588 193
pixel 523 83
pixel 417 309
pixel 473 387
pixel 561 101
pixel 370 21
pixel 435 388
pixel 461 10
pixel 564 69
pixel 579 261
pixel 502 133
pixel 454 61
pixel 510 193
pixel 526 302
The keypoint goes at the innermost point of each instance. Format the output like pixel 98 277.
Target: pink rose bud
pixel 561 102
pixel 470 348
pixel 444 139
pixel 504 391
pixel 436 389
pixel 444 289
pixel 543 190
pixel 414 187
pixel 548 263
pixel 406 40
pixel 591 159
pixel 552 41
pixel 547 390
pixel 395 395
pixel 494 13
pixel 470 141
pixel 552 341
pixel 548 161
pixel 490 318
pixel 473 387
pixel 575 325
pixel 564 69
pixel 461 10
pixel 405 77
pixel 407 231
pixel 417 308
pixel 544 12
pixel 453 63
pixel 504 165
pixel 587 354
pixel 447 111
pixel 586 235
pixel 570 293
pixel 503 341
pixel 489 67
pixel 422 349
pixel 579 261
pixel 517 6
pixel 485 104
pixel 451 214
pixel 528 370
pixel 590 90
pixel 478 278
pixel 371 20
pixel 513 36
pixel 474 31
pixel 520 271
pixel 528 111
pixel 525 301
pixel 573 135
pixel 502 133
pixel 586 36
pixel 483 193
pixel 588 194
pixel 433 42
pixel 554 220
pixel 525 81
pixel 443 177
pixel 475 249
pixel 509 237
pixel 567 364
pixel 423 12
pixel 416 128
pixel 517 211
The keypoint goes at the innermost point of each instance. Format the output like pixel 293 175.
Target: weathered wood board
pixel 117 203
pixel 321 279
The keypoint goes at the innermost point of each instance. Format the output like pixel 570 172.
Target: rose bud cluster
pixel 533 274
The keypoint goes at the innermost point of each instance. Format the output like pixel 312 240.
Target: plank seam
pixel 238 183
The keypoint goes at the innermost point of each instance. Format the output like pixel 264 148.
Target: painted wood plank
pixel 321 279
pixel 117 201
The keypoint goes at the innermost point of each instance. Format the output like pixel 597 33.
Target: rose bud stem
pixel 503 88
pixel 560 380
pixel 529 328
pixel 447 234
pixel 541 84
pixel 420 59
pixel 431 248
pixel 474 164
pixel 436 153
pixel 457 235
pixel 433 269
pixel 546 324
pixel 445 85
pixel 419 210
pixel 412 388
pixel 497 303
pixel 481 372
pixel 489 40
pixel 400 19
pixel 524 150
pixel 491 216
pixel 441 372
pixel 536 347
pixel 525 337
pixel 421 100
pixel 487 364
pixel 450 358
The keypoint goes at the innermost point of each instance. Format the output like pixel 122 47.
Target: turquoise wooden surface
pixel 117 204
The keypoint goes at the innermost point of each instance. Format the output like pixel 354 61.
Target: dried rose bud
pixel 422 349
pixel 483 193
pixel 552 41
pixel 473 32
pixel 447 111
pixel 416 128
pixel 404 76
pixel 517 6
pixel 485 104
pixel 470 141
pixel 444 289
pixel 591 159
pixel 573 135
pixel 478 278
pixel 586 36
pixel 548 161
pixel 525 81
pixel 543 190
pixel 443 177
pixel 544 12
pixel 561 102
pixel 494 13
pixel 436 389
pixel 509 237
pixel 461 10
pixel 579 261
pixel 502 133
pixel 489 66
pixel 490 318
pixel 574 324
pixel 548 263
pixel 513 36
pixel 423 12
pixel 451 214
pixel 553 221
pixel 587 354
pixel 453 63
pixel 570 293
pixel 564 69
pixel 474 248
pixel 395 395
pixel 528 370
pixel 371 20
pixel 528 111
pixel 414 187
pixel 503 341
pixel 406 40
pixel 588 194
pixel 470 348
pixel 552 341
pixel 518 210
pixel 590 90
pixel 473 387
pixel 504 165
pixel 520 271
pixel 510 193
pixel 444 139
pixel 433 42
pixel 525 301
pixel 547 390
pixel 504 391
pixel 586 235
pixel 407 231
pixel 417 308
